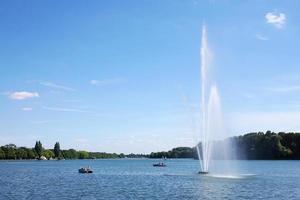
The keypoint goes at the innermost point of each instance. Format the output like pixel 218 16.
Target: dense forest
pixel 12 152
pixel 179 152
pixel 257 145
pixel 268 145
pixel 252 146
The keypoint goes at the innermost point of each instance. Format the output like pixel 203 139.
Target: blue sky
pixel 112 75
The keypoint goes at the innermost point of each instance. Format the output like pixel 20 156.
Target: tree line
pixel 268 146
pixel 12 152
pixel 179 152
pixel 256 145
pixel 251 146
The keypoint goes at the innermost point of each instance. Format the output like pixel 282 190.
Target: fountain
pixel 211 117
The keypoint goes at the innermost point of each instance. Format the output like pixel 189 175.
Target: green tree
pixel 83 155
pixel 48 154
pixel 10 151
pixel 2 154
pixel 122 155
pixel 30 153
pixel 10 154
pixel 38 148
pixel 70 154
pixel 57 150
pixel 21 153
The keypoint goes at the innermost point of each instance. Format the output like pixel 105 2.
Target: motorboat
pixel 203 172
pixel 160 164
pixel 85 170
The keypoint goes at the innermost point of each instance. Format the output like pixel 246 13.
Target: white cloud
pixel 27 109
pixel 107 81
pixel 56 86
pixel 65 109
pixel 23 95
pixel 261 37
pixel 276 19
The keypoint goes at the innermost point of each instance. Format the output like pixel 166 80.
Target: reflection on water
pixel 137 179
pixel 231 176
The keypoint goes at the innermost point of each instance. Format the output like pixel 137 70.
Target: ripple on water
pixel 137 179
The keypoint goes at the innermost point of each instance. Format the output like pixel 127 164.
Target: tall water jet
pixel 210 108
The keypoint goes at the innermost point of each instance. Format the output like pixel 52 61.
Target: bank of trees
pixel 256 145
pixel 12 152
pixel 73 154
pixel 269 145
pixel 179 152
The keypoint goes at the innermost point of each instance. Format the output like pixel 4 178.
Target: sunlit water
pixel 137 179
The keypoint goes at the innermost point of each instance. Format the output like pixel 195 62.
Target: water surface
pixel 137 179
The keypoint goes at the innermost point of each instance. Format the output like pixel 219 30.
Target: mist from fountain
pixel 211 116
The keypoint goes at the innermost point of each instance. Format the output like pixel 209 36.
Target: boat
pixel 203 172
pixel 85 170
pixel 161 164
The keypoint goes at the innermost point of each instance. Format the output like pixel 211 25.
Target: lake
pixel 138 179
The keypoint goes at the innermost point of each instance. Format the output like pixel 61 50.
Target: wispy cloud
pixel 291 88
pixel 261 37
pixel 23 95
pixel 27 108
pixel 41 122
pixel 72 101
pixel 249 95
pixel 59 109
pixel 81 140
pixel 276 19
pixel 105 82
pixel 290 77
pixel 56 86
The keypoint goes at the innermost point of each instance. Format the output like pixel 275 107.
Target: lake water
pixel 137 179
